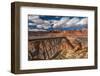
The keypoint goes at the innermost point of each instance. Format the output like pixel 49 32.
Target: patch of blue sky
pixel 57 17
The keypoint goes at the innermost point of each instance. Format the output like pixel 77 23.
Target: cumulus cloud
pixel 46 22
pixel 73 21
pixel 60 23
pixel 40 24
pixel 35 19
pixel 38 21
pixel 31 17
pixel 83 21
pixel 31 24
pixel 44 25
pixel 64 22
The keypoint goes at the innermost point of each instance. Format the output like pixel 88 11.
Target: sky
pixel 48 23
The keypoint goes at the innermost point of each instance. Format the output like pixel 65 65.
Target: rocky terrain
pixel 58 45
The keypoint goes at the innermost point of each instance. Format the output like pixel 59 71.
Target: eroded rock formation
pixel 55 48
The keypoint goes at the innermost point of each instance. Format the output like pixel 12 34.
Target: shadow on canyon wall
pixel 57 48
